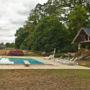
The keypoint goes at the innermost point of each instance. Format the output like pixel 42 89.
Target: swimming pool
pixel 15 60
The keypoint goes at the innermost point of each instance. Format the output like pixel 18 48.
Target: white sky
pixel 13 14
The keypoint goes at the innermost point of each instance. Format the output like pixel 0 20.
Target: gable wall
pixel 81 37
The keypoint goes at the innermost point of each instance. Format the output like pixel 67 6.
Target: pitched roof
pixel 87 30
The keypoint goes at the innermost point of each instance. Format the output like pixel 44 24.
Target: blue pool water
pixel 21 60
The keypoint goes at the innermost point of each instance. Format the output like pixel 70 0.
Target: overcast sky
pixel 13 14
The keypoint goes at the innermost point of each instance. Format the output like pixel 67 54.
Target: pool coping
pixel 51 64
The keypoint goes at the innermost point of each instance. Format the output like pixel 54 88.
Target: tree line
pixel 53 24
pixel 7 45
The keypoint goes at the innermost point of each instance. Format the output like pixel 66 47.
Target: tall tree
pixel 71 13
pixel 49 34
pixel 77 19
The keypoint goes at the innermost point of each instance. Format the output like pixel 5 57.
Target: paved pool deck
pixel 51 64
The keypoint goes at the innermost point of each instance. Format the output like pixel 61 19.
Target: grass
pixel 84 63
pixel 44 80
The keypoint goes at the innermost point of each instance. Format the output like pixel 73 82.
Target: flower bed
pixel 16 52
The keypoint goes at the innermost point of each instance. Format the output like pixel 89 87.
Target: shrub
pixel 16 52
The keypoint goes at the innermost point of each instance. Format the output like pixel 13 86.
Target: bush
pixel 16 52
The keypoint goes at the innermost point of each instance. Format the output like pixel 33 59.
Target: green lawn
pixel 44 80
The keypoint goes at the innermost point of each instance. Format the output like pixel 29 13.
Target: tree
pixel 77 19
pixel 49 34
pixel 20 37
pixel 10 45
pixel 73 14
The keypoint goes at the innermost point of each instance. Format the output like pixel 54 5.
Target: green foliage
pixel 78 17
pixel 48 34
pixel 10 45
pixel 21 35
pixel 1 44
pixel 45 28
pixel 69 48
